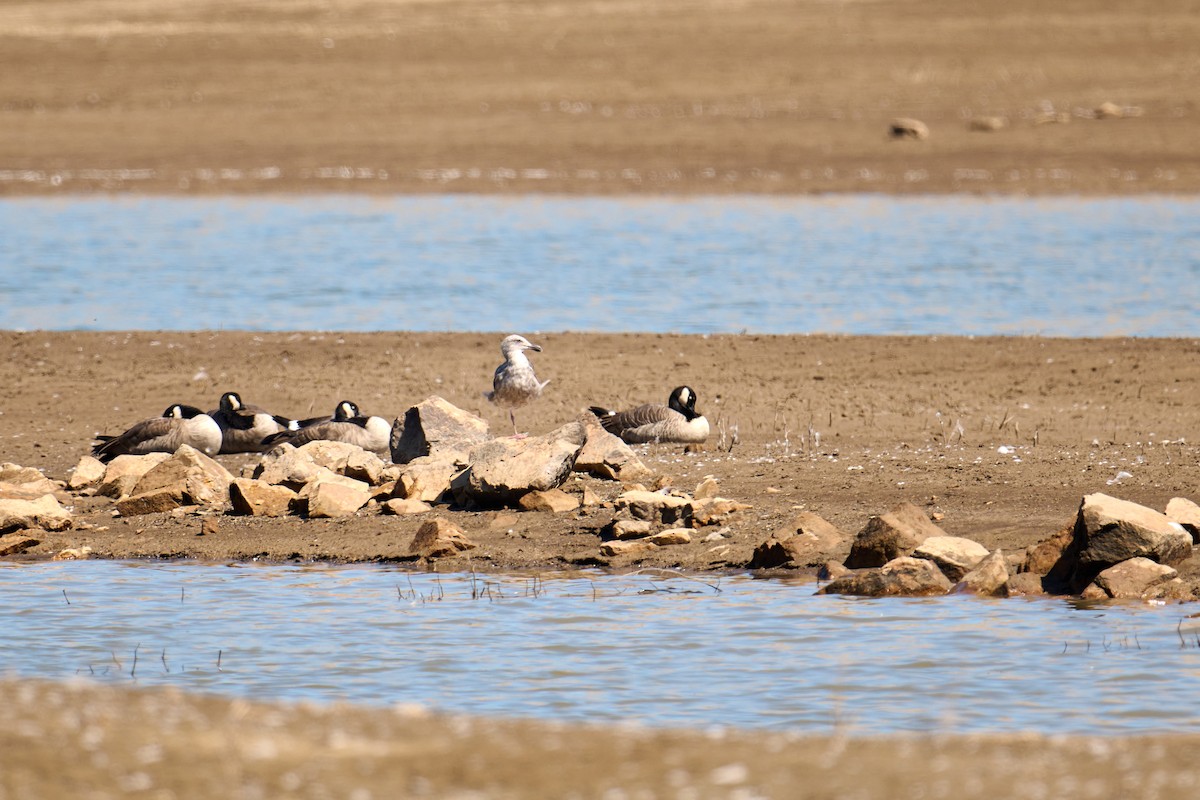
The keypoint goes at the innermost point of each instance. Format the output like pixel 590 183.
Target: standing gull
pixel 677 421
pixel 178 425
pixel 514 383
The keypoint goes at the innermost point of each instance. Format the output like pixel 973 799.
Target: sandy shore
pixel 846 427
pixel 117 741
pixel 764 96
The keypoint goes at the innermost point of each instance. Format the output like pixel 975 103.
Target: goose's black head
pixel 345 410
pixel 683 400
pixel 180 411
pixel 231 401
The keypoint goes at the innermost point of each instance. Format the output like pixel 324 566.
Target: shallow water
pixel 856 265
pixel 584 646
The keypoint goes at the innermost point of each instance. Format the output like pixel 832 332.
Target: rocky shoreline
pixel 444 467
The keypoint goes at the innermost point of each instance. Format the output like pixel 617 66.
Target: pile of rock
pixel 441 454
pixel 648 520
pixel 904 553
pixel 1112 549
pixel 29 501
pixel 1118 549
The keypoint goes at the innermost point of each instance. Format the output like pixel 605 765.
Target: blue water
pixel 856 265
pixel 661 650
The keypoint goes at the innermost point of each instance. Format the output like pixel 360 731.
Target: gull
pixel 178 425
pixel 347 424
pixel 677 421
pixel 243 427
pixel 514 383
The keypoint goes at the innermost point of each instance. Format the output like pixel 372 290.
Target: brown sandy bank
pixel 87 740
pixel 768 96
pixel 846 427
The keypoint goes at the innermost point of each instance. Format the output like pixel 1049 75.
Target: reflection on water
pixel 863 265
pixel 663 651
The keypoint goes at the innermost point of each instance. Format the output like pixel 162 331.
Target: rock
pixel 832 570
pixel 1115 530
pixel 908 128
pixel 73 554
pixel 989 577
pixel 607 456
pixel 401 506
pixel 504 469
pixel 124 472
pixel 330 499
pixel 15 473
pixel 257 498
pixel 707 489
pixel 628 529
pixel 589 498
pixel 326 475
pixel 437 429
pixel 1187 514
pixel 954 555
pixel 426 480
pixel 439 538
pixel 345 459
pixel 31 490
pixel 555 501
pixel 667 509
pixel 13 543
pixel 200 480
pixel 670 537
pixel 626 548
pixel 901 577
pixel 1040 558
pixel 287 466
pixel 1132 579
pixel 1025 583
pixel 891 535
pixel 809 541
pixel 715 511
pixel 44 513
pixel 87 473
pixel 154 501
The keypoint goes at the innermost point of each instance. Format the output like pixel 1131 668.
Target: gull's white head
pixel 517 344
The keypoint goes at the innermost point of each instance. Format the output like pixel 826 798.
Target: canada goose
pixel 677 421
pixel 514 383
pixel 243 427
pixel 346 425
pixel 178 425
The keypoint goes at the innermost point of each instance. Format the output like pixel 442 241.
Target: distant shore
pixel 609 98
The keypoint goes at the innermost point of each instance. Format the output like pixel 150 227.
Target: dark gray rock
pixel 891 535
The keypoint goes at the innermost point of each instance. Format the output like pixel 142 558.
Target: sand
pixel 713 96
pixel 1001 437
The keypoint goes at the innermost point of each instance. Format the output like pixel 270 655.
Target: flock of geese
pixel 238 427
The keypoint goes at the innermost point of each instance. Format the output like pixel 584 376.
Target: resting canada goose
pixel 243 427
pixel 178 425
pixel 346 425
pixel 677 421
pixel 514 383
